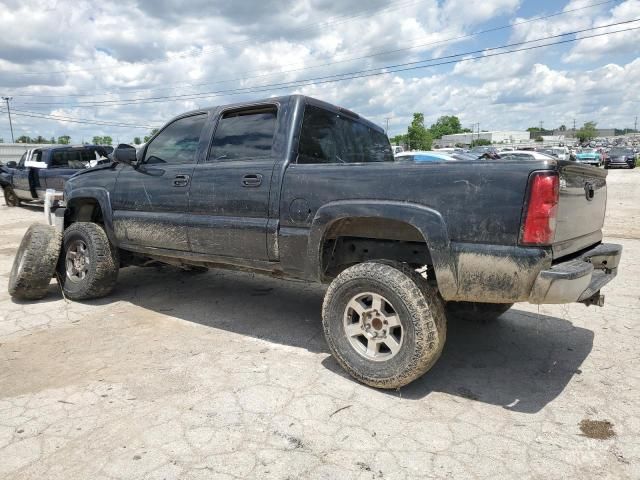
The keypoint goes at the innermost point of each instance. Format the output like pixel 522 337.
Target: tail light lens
pixel 539 225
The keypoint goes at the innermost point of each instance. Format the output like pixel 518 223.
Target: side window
pixel 60 158
pixel 36 156
pixel 330 137
pixel 22 159
pixel 244 134
pixel 178 142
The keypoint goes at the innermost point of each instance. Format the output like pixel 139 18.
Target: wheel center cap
pixel 376 323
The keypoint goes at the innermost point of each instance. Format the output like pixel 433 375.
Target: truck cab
pixel 47 167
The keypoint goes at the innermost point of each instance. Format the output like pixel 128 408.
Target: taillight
pixel 539 223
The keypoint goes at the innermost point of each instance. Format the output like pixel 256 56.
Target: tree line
pixel 419 137
pixel 66 139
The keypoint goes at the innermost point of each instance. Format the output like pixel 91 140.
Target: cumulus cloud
pixel 55 56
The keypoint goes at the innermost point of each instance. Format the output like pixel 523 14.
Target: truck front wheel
pixel 10 197
pixel 88 265
pixel 476 312
pixel 385 325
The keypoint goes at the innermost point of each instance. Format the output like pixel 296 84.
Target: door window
pixel 244 134
pixel 178 142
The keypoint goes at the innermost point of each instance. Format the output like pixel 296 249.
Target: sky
pixel 119 68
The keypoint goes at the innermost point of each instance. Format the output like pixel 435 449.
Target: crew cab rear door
pixel 229 197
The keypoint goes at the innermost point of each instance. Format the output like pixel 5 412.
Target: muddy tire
pixel 476 312
pixel 35 263
pixel 89 264
pixel 385 325
pixel 10 197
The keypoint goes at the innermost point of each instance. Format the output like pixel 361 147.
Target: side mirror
pixel 124 154
pixel 12 164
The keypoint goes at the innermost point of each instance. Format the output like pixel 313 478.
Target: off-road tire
pixel 35 263
pixel 476 312
pixel 419 307
pixel 10 197
pixel 103 265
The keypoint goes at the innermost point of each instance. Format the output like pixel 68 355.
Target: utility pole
pixel 387 130
pixel 635 125
pixel 6 99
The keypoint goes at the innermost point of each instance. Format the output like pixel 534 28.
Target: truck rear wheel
pixel 89 264
pixel 10 197
pixel 35 263
pixel 385 325
pixel 476 312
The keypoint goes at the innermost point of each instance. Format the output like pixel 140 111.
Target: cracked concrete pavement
pixel 226 375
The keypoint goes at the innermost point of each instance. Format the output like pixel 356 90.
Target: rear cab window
pixel 333 137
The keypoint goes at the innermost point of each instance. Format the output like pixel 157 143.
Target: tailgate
pixel 583 200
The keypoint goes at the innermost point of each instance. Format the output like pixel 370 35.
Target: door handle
pixel 181 180
pixel 252 180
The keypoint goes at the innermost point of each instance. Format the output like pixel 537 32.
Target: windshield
pixel 587 150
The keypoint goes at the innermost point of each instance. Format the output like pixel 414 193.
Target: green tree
pixel 587 132
pixel 534 129
pixel 445 125
pixel 419 137
pixel 563 128
pixel 64 140
pixel 97 140
pixel 52 140
pixel 151 134
pixel 136 141
pixel 40 139
pixel 107 140
pixel 480 142
pixel 23 139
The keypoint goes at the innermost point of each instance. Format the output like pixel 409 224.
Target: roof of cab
pixel 281 100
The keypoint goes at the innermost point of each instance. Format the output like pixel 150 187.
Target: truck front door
pixel 21 185
pixel 229 199
pixel 151 201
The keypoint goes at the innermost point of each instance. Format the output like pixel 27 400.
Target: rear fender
pixel 427 221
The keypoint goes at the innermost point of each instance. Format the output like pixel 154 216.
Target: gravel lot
pixel 226 375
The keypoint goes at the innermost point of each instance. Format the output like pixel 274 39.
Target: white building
pixel 507 137
pixel 13 151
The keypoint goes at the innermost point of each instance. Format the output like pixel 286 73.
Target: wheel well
pixel 355 240
pixel 83 210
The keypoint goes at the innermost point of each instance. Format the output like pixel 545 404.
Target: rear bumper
pixel 579 279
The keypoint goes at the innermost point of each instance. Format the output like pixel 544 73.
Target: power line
pixel 375 54
pixel 347 75
pixel 18 113
pixel 355 75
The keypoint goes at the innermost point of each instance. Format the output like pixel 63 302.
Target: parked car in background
pixel 46 167
pixel 589 156
pixel 424 156
pixel 485 152
pixel 620 157
pixel 396 149
pixel 526 155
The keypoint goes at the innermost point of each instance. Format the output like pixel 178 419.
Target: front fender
pixel 103 198
pixel 427 221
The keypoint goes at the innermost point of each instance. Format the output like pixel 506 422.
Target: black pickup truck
pixel 298 188
pixel 46 167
